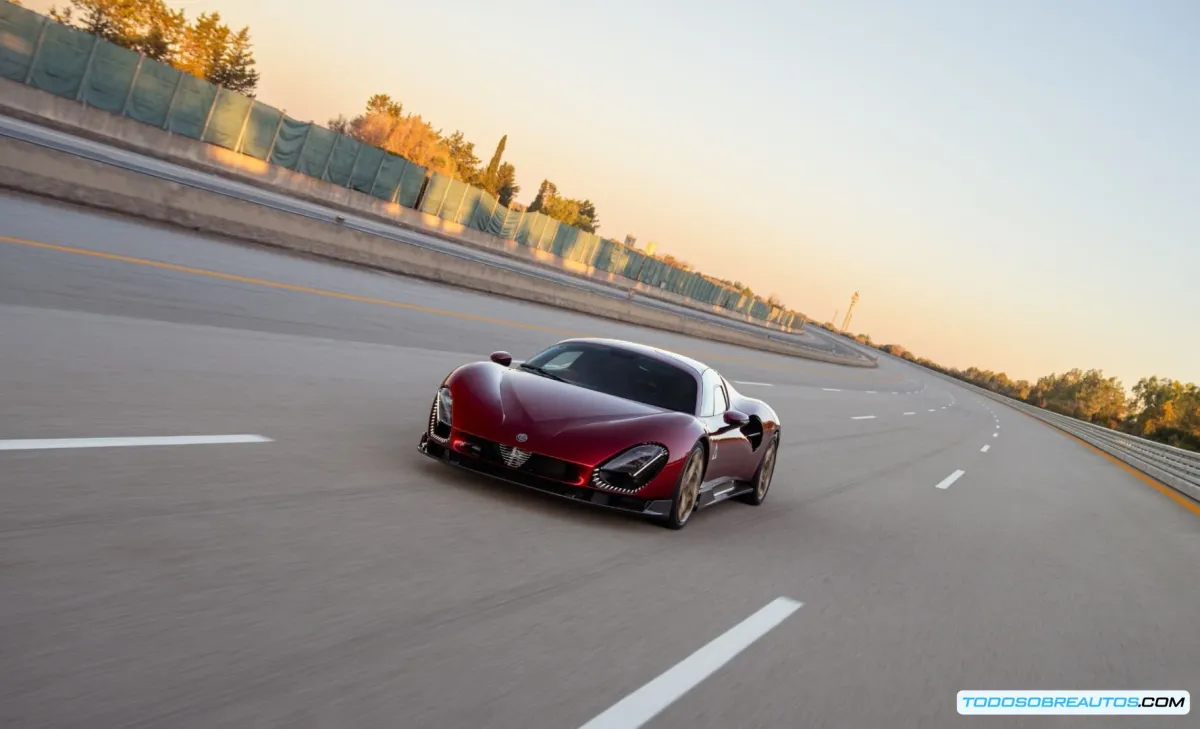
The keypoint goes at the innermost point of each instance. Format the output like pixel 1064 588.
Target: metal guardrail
pixel 1175 467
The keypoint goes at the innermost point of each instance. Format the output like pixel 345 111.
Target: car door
pixel 730 448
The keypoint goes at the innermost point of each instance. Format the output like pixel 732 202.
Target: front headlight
pixel 635 467
pixel 445 406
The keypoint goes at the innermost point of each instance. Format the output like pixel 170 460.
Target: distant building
pixel 631 241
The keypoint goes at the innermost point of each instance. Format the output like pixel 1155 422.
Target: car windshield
pixel 619 372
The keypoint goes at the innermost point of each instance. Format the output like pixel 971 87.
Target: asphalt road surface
pixel 324 574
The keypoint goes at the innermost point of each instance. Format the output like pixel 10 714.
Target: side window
pixel 715 401
pixel 707 404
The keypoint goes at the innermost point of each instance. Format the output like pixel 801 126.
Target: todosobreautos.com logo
pixel 1141 702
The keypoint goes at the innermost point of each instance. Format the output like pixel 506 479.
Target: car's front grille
pixel 513 457
pixel 524 477
pixel 522 460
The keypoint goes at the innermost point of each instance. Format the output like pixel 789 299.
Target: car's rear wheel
pixel 687 491
pixel 762 477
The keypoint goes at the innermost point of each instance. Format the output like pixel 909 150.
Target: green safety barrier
pixel 69 63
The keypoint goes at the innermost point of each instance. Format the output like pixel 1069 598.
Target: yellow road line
pixel 362 299
pixel 279 285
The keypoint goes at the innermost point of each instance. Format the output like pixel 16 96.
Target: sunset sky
pixel 1012 185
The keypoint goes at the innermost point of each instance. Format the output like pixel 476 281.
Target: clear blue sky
pixel 1014 185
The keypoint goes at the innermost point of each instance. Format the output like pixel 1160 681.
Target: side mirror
pixel 503 359
pixel 736 417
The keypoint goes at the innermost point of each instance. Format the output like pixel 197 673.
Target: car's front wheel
pixel 687 491
pixel 762 477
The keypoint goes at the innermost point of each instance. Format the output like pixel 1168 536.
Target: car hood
pixel 558 419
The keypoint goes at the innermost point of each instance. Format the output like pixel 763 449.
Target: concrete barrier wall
pixel 25 102
pixel 30 168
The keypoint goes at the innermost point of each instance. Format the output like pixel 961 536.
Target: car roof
pixel 662 355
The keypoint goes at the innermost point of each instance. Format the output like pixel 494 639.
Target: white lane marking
pixel 910 413
pixel 862 417
pixel 871 392
pixel 760 384
pixel 985 449
pixel 830 389
pixel 647 702
pixel 945 484
pixel 54 443
pixel 995 435
pixel 933 410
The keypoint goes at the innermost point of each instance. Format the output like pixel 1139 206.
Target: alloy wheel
pixel 765 473
pixel 689 489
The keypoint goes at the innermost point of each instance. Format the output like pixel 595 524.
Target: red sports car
pixel 616 424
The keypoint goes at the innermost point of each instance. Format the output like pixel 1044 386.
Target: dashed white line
pixel 34 444
pixel 862 417
pixel 871 392
pixel 647 702
pixel 995 435
pixel 945 483
pixel 933 410
pixel 910 413
pixel 985 449
pixel 830 389
pixel 759 384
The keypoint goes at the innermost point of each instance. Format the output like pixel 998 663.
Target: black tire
pixel 763 475
pixel 687 488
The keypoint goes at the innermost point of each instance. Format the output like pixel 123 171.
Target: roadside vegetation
pixel 208 48
pixel 1159 409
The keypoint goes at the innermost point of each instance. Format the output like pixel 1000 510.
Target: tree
pixel 579 213
pixel 207 48
pixel 213 52
pixel 339 124
pixel 144 26
pixel 1168 411
pixel 235 69
pixel 462 155
pixel 586 218
pixel 491 176
pixel 383 104
pixel 507 184
pixel 545 191
pixel 384 124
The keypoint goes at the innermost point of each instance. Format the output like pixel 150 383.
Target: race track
pixel 327 575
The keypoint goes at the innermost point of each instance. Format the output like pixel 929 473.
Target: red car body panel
pixel 567 422
pixel 509 407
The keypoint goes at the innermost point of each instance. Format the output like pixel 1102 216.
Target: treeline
pixel 206 47
pixel 384 123
pixel 1160 409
